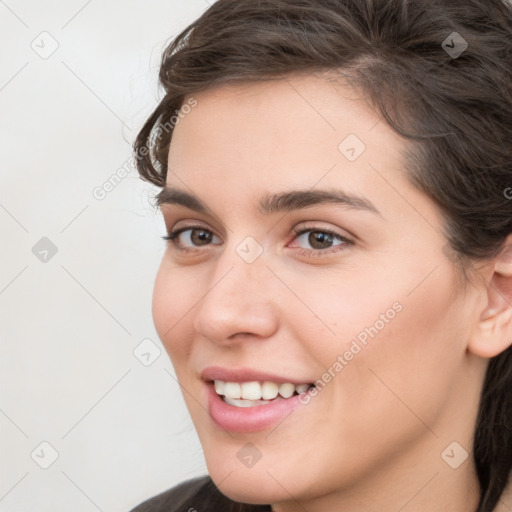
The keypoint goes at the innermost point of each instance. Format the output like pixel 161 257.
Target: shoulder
pixel 180 498
pixel 195 495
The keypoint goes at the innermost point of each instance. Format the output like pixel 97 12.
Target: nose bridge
pixel 238 299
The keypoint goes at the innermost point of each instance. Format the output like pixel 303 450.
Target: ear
pixel 493 331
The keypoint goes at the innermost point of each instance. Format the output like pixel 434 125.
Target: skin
pixel 372 438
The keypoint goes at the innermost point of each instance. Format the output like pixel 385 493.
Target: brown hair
pixel 455 109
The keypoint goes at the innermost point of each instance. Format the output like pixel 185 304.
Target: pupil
pixel 321 239
pixel 202 238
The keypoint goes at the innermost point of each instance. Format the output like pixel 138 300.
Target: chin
pixel 245 489
pixel 259 485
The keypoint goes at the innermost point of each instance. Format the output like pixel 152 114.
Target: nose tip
pixel 238 305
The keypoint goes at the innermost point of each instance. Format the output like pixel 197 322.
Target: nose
pixel 239 301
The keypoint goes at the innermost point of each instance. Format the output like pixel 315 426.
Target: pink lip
pixel 245 375
pixel 248 419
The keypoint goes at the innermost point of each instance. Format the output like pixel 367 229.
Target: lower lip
pixel 248 419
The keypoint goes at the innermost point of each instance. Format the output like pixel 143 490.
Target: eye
pixel 197 236
pixel 321 240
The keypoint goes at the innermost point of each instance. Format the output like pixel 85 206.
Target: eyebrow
pixel 273 203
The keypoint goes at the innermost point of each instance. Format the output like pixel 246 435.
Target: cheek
pixel 331 310
pixel 411 363
pixel 173 298
pixel 379 343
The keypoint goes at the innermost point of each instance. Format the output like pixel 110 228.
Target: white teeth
pixel 269 390
pixel 219 387
pixel 256 391
pixel 232 389
pixel 251 390
pixel 301 388
pixel 245 403
pixel 286 389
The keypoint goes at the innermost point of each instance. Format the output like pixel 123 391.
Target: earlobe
pixel 493 331
pixel 494 335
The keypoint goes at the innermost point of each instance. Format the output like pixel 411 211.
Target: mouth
pixel 257 393
pixel 251 400
pixel 252 407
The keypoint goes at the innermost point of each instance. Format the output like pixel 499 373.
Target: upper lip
pixel 245 375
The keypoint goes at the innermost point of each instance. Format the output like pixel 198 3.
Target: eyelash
pixel 311 253
pixel 173 236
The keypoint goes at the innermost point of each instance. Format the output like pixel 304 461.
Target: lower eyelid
pixel 318 253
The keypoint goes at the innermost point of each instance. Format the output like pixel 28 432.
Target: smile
pixel 254 393
pixel 239 414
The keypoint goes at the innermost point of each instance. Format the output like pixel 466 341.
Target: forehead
pixel 280 119
pixel 297 108
pixel 300 132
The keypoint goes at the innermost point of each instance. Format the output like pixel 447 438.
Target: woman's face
pixel 363 301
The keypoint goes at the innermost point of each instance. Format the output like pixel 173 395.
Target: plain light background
pixel 89 418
